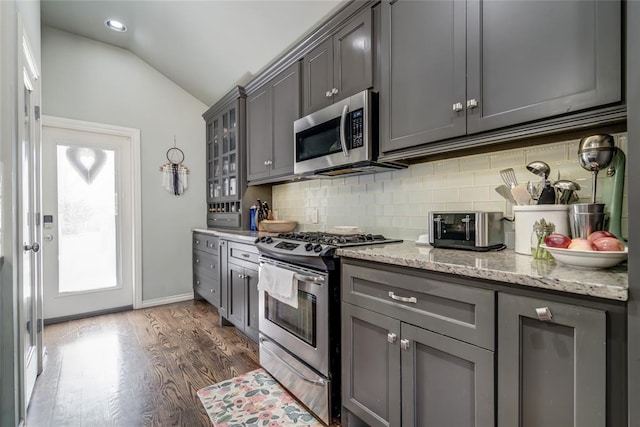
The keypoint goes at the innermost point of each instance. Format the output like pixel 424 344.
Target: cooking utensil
pixel 595 153
pixel 509 177
pixel 540 168
pixel 533 191
pixel 521 194
pixel 505 192
pixel 566 190
pixel 547 196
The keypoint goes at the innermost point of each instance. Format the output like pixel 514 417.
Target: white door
pixel 29 230
pixel 88 217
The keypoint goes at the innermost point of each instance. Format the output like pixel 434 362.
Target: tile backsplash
pixel 396 203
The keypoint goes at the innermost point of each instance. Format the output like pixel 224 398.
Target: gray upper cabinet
pixel 423 72
pixel 455 68
pixel 529 60
pixel 341 65
pixel 271 111
pixel 552 363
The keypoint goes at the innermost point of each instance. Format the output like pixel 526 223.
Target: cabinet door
pixel 550 372
pixel 534 59
pixel 353 59
pixel 445 382
pixel 251 309
pixel 423 72
pixel 371 366
pixel 237 295
pixel 259 133
pixel 318 77
pixel 285 108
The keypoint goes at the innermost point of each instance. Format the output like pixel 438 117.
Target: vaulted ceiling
pixel 207 46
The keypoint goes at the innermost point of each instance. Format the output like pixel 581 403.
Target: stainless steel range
pixel 300 347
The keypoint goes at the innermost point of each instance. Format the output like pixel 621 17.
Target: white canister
pixel 526 216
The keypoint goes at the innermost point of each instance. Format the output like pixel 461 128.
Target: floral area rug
pixel 253 399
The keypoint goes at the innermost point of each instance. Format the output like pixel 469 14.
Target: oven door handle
pixel 343 127
pixel 318 381
pixel 303 277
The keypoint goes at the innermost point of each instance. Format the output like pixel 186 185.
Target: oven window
pixel 319 141
pixel 300 322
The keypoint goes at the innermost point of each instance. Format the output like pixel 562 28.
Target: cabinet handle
pixel 457 107
pixel 413 300
pixel 334 91
pixel 544 314
pixel 472 103
pixel 242 276
pixel 391 337
pixel 245 255
pixel 404 344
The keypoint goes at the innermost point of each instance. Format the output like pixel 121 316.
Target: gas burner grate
pixel 332 239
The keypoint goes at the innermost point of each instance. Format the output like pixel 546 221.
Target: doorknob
pixel 35 247
pixel 48 237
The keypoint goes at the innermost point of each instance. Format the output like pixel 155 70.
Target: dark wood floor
pixel 136 368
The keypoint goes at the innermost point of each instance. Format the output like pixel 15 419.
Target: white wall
pixel 92 81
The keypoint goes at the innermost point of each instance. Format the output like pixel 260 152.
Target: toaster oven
pixel 476 230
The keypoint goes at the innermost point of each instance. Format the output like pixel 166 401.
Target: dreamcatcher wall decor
pixel 174 173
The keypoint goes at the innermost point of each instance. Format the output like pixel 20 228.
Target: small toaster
pixel 475 230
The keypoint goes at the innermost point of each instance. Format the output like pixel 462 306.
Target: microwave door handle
pixel 343 126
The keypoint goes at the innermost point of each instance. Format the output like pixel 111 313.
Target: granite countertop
pixel 247 236
pixel 503 266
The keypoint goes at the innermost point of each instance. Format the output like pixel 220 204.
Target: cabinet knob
pixel 211 290
pixel 472 103
pixel 268 162
pixel 457 107
pixel 334 91
pixel 197 242
pixel 544 314
pixel 242 276
pixel 197 282
pixel 211 266
pixel 391 337
pixel 197 261
pixel 328 94
pixel 404 344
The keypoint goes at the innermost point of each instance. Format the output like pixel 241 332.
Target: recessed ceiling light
pixel 115 25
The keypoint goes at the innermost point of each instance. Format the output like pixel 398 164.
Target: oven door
pixel 302 331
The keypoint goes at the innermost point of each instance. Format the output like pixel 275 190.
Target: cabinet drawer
pixel 205 263
pixel 458 311
pixel 205 242
pixel 243 252
pixel 207 288
pixel 226 220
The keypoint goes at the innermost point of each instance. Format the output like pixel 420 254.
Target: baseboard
pixel 167 300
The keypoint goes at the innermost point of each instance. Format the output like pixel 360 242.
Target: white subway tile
pixel 421 169
pixel 382 176
pixel 547 153
pixel 507 159
pixel 455 180
pixel 445 195
pixel 446 166
pixel 459 206
pixel 474 193
pixel 474 163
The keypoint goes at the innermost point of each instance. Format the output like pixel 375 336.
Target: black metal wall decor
pixel 174 172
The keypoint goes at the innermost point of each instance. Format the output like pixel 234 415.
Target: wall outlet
pixel 314 216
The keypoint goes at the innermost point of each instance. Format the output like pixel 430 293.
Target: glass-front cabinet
pixel 226 184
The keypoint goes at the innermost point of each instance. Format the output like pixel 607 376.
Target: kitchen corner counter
pixel 503 266
pixel 244 236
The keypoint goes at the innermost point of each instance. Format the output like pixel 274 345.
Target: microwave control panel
pixel 357 128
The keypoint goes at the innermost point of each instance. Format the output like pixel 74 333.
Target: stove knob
pixel 317 248
pixel 257 240
pixel 269 240
pixel 263 239
pixel 308 247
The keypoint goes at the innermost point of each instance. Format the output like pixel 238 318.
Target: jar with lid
pixel 541 229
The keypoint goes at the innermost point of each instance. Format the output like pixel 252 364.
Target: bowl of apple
pixel 600 250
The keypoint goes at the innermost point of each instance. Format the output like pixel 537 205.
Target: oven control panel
pixel 285 246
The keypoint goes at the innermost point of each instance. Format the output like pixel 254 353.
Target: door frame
pixel 134 191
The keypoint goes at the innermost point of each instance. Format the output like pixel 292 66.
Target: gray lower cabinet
pixel 397 374
pixel 240 287
pixel 552 364
pixel 271 111
pixel 451 68
pixel 206 268
pixel 416 350
pixel 341 65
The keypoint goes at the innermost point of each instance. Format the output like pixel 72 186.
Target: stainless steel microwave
pixel 340 139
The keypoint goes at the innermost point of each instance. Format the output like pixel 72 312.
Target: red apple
pixel 598 234
pixel 608 244
pixel 557 240
pixel 580 244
